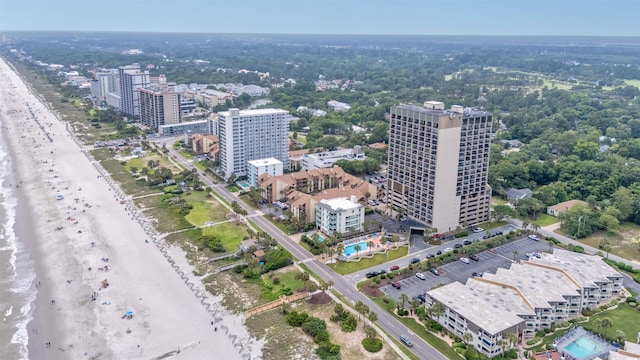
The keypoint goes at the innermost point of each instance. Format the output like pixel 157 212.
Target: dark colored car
pixel 435 272
pixel 394 268
pixel 457 246
pixel 422 298
pixel 369 275
pixel 439 252
pixel 415 260
pixel 477 274
pixel 380 272
pixel 396 285
pixel 467 242
pixel 430 256
pixel 474 258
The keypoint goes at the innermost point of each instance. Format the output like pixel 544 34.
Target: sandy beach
pixel 84 234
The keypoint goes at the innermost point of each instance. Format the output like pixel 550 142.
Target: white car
pixel 533 237
pixel 465 260
pixel 477 230
pixel 420 276
pixel 446 250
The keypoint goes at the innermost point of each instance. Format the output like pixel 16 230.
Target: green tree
pixel 302 276
pixel 403 299
pixel 605 246
pixel 501 212
pixel 606 324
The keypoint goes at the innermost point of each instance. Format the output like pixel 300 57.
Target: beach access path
pixel 87 236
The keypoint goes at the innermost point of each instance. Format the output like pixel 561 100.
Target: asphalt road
pixel 385 320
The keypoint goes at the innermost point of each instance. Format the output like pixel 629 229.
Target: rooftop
pixel 586 270
pixel 254 112
pixel 478 305
pixel 467 111
pixel 539 285
pixel 263 162
pixel 341 203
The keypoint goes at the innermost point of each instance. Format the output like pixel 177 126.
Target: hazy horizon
pixel 620 18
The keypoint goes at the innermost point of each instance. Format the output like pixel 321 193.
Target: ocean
pixel 17 273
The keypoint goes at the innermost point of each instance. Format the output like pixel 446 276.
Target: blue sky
pixel 429 17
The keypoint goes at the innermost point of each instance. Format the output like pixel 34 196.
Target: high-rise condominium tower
pixel 438 164
pixel 131 78
pixel 251 135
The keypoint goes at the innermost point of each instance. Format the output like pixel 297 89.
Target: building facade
pixel 190 127
pixel 250 135
pixel 439 163
pixel 271 166
pixel 131 79
pixel 159 107
pixel 341 215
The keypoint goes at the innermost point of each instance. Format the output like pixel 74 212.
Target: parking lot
pixel 489 261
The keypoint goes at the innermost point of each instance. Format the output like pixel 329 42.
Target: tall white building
pixel 131 79
pixel 250 135
pixel 339 215
pixel 104 83
pixel 269 166
pixel 439 164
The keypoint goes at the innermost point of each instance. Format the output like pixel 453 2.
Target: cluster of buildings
pixel 528 297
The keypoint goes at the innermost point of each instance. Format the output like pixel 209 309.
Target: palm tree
pixel 373 317
pixel 302 276
pixel 512 339
pixel 403 298
pixel 340 249
pixel 620 336
pixel 467 337
pixel 357 248
pixel 606 323
pixel 369 245
pixel 536 227
pixel 371 332
pixel 437 310
pixel 324 286
pixel 414 305
pixel 604 245
pixel 525 225
pixel 597 323
pixel 515 254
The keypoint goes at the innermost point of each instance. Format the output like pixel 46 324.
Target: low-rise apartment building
pixel 326 159
pixel 525 298
pixel 341 215
pixel 269 166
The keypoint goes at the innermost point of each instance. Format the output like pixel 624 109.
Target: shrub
pixel 383 276
pixel 321 337
pixel 372 345
pixel 391 276
pixel 296 319
pixel 632 304
pixel 532 341
pixel 461 234
pixel 540 334
pixel 630 299
pixel 471 354
pixel 328 350
pixel 349 323
pixel 276 280
pixel 313 326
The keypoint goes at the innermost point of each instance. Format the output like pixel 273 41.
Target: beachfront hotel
pixel 439 163
pixel 341 215
pixel 528 297
pixel 159 106
pixel 251 135
pixel 131 79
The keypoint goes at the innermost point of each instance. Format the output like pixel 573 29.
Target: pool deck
pixel 577 333
pixel 375 238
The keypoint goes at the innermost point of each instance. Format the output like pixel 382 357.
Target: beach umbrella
pixel 129 312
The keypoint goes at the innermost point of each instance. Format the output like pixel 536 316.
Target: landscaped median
pixel 348 267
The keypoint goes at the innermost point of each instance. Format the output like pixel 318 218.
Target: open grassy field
pixel 624 318
pixel 229 233
pixel 343 267
pixel 140 162
pixel 492 225
pixel 128 182
pixel 497 200
pixel 625 241
pixel 635 83
pixel 204 209
pixel 287 279
pixel 544 220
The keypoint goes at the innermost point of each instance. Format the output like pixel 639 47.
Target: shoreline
pixel 169 319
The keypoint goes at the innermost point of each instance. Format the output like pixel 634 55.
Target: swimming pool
pixel 583 347
pixel 351 249
pixel 244 184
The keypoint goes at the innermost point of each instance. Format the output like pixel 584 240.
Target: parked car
pixel 394 268
pixel 430 256
pixel 474 257
pixel 438 236
pixel 467 242
pixel 380 272
pixel 439 252
pixel 405 339
pixel 415 260
pixel 421 276
pixel 477 274
pixel 422 298
pixel 435 272
pixel 457 246
pixel 446 250
pixel 533 237
pixel 465 260
pixel 477 230
pixel 369 275
pixel 396 285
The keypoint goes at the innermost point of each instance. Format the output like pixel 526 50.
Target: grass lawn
pixel 204 209
pixel 492 225
pixel 272 291
pixel 623 318
pixel 635 83
pixel 279 224
pixel 229 233
pixel 625 241
pixel 344 267
pixel 497 200
pixel 549 339
pixel 233 188
pixel 545 220
pixel 128 182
